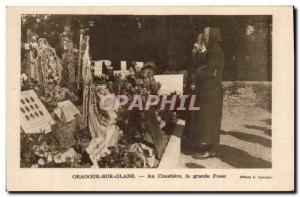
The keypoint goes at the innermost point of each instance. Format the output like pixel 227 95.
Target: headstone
pixel 98 68
pixel 68 109
pixel 170 83
pixel 123 65
pixel 35 118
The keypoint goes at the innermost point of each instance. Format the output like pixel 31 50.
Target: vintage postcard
pixel 150 99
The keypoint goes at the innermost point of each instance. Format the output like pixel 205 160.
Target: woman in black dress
pixel 202 128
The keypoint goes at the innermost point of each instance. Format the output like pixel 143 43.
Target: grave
pixel 170 83
pixel 34 116
pixel 67 110
pixel 68 118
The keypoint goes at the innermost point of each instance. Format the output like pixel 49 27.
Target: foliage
pixel 30 154
pixel 258 94
pixel 121 157
pixel 51 99
pixel 167 40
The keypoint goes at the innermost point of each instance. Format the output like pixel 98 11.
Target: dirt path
pixel 245 139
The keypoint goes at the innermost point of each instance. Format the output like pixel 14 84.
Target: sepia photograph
pixel 150 89
pixel 70 62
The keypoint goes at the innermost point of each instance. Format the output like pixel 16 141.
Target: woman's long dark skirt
pixel 203 126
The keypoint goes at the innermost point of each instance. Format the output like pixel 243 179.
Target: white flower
pixel 162 124
pixel 58 158
pixel 35 166
pixel 41 162
pixel 49 158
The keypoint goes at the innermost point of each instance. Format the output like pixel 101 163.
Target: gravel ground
pixel 246 136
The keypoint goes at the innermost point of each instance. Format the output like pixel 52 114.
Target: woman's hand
pixel 197 45
pixel 196 48
pixel 202 48
pixel 199 48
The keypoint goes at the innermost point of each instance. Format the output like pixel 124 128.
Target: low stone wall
pixel 259 92
pixel 228 84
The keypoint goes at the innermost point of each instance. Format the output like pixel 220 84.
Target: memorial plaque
pixel 34 116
